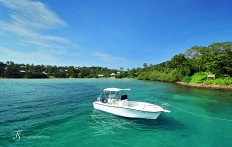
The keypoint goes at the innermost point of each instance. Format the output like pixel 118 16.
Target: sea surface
pixel 60 113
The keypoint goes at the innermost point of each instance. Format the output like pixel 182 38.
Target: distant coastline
pixel 202 66
pixel 206 86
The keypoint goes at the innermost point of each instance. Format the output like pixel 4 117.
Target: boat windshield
pixel 114 89
pixel 113 93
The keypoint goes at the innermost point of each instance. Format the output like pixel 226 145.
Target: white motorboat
pixel 115 101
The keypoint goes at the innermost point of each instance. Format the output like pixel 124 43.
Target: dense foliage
pixel 13 70
pixel 194 65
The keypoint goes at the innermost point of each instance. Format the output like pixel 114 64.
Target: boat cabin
pixel 114 96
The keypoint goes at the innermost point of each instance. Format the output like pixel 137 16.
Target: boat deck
pixel 146 107
pixel 141 106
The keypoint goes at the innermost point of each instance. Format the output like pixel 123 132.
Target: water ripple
pixel 62 109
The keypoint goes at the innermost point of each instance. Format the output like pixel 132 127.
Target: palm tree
pixel 144 65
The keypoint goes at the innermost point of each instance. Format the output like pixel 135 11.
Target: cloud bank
pixel 27 22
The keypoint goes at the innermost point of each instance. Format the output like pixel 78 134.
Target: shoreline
pixel 200 86
pixel 204 86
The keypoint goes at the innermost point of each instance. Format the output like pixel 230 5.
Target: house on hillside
pixel 100 75
pixel 112 74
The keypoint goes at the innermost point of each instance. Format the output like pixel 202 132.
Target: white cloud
pixel 28 21
pixel 30 57
pixel 32 14
pixel 108 57
pixel 88 18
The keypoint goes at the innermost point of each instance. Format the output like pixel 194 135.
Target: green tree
pixel 2 68
pixel 144 65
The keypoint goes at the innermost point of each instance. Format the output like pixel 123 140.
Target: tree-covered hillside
pixel 14 70
pixel 194 65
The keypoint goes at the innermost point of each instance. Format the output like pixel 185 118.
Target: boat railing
pixel 149 100
pixel 145 106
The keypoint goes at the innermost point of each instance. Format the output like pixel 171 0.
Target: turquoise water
pixel 59 112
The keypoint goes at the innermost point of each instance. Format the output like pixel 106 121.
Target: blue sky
pixel 109 33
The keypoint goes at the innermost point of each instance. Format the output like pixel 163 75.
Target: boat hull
pixel 125 111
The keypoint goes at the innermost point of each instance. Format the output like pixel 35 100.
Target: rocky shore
pixel 204 86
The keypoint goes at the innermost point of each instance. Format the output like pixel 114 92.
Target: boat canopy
pixel 115 89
